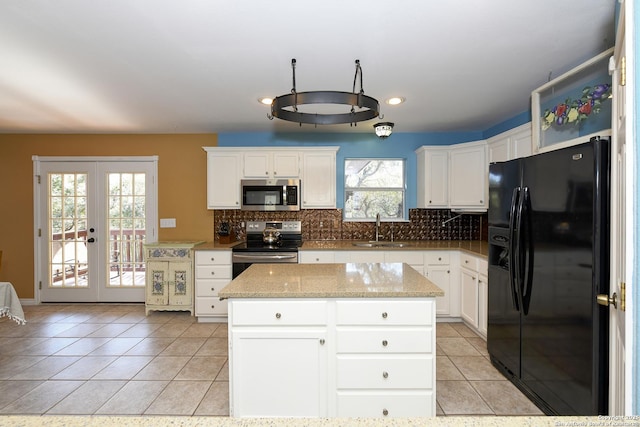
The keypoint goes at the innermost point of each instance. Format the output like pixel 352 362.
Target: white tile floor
pixel 83 359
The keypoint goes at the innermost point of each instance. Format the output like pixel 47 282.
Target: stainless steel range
pixel 268 242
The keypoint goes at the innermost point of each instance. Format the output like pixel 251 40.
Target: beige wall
pixel 181 188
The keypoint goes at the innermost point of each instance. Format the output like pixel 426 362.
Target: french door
pixel 93 216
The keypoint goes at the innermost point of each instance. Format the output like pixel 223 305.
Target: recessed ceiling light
pixel 265 100
pixel 395 100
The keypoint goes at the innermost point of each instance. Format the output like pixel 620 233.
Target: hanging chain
pixel 293 90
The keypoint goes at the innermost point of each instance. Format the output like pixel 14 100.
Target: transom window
pixel 374 186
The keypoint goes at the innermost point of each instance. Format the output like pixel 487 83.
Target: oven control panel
pixel 285 227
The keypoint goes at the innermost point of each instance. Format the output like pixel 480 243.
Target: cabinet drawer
pixel 213 257
pixel 410 257
pixel 281 313
pixel 436 258
pixel 385 373
pixel 366 256
pixel 316 257
pixel 384 340
pixel 211 306
pixel 210 287
pixel 385 312
pixel 213 272
pixel 469 261
pixel 386 404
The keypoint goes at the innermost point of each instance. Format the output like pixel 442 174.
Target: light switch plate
pixel 167 223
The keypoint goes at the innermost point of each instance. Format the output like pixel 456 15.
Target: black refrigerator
pixel 548 260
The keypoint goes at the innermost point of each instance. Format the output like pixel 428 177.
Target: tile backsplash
pixel 327 224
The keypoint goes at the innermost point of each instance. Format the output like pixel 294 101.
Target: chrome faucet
pixel 450 219
pixel 377 226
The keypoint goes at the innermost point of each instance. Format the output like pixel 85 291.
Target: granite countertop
pixel 352 280
pixel 476 247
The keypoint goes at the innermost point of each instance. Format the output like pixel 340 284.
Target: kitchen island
pixel 331 340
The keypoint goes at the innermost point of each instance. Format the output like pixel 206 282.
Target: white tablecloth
pixel 10 304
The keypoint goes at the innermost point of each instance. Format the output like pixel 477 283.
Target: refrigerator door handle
pixel 513 247
pixel 526 239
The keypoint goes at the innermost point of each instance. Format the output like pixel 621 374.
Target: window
pixel 374 186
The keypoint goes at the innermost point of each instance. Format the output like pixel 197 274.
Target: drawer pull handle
pixel 384 343
pixel 385 375
pixel 439 259
pixel 213 273
pixel 385 412
pixel 384 315
pixel 213 289
pixel 466 261
pixel 278 315
pixel 213 259
pixel 317 259
pixel 213 306
pixel 321 341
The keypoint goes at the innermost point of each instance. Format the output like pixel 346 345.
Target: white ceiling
pixel 198 66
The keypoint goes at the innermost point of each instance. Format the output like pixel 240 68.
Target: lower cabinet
pixel 332 357
pixel 438 269
pixel 213 272
pixel 474 292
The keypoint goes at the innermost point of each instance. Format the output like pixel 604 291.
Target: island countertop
pixel 351 280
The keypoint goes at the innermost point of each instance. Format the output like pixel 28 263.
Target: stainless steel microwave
pixel 270 194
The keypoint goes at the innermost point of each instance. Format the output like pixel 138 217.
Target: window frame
pixel 402 189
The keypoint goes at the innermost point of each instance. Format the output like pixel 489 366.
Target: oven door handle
pixel 264 257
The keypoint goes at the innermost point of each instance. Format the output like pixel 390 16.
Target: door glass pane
pixel 67 230
pixel 126 201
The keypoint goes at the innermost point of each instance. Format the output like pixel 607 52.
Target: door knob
pixel 606 300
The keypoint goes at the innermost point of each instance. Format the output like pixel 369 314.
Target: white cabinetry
pixel 169 276
pixel 278 358
pixel 224 170
pixel 344 357
pixel 454 177
pixel 213 272
pixel 316 168
pixel 319 179
pixel 316 257
pixel 473 289
pixel 433 176
pixel 271 164
pixel 438 269
pixel 385 358
pixel 512 144
pixel 468 177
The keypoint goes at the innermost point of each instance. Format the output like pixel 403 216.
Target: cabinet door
pixel 433 175
pixel 286 164
pixel 180 283
pixel 469 293
pixel 223 180
pixel 468 176
pixel 157 283
pixel 319 180
pixel 521 145
pixel 482 304
pixel 257 164
pixel 499 150
pixel 279 373
pixel 441 276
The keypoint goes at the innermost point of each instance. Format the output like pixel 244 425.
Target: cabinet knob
pixel 321 341
pixel 384 343
pixel 278 315
pixel 384 315
pixel 429 201
pixel 266 173
pixel 213 306
pixel 213 273
pixel 213 289
pixel 213 259
pixel 481 201
pixel 385 412
pixel 385 374
pixel 447 271
pixel 466 261
pixel 236 202
pixel 317 259
pixel 439 259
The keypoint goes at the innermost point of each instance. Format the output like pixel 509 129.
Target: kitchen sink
pixel 381 244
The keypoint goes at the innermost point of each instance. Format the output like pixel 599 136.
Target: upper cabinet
pixel 468 176
pixel 433 177
pixel 226 166
pixel 512 144
pixel 453 177
pixel 224 171
pixel 272 164
pixel 319 179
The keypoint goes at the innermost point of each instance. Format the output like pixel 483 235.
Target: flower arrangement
pixel 577 110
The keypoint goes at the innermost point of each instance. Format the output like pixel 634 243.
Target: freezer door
pixel 561 353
